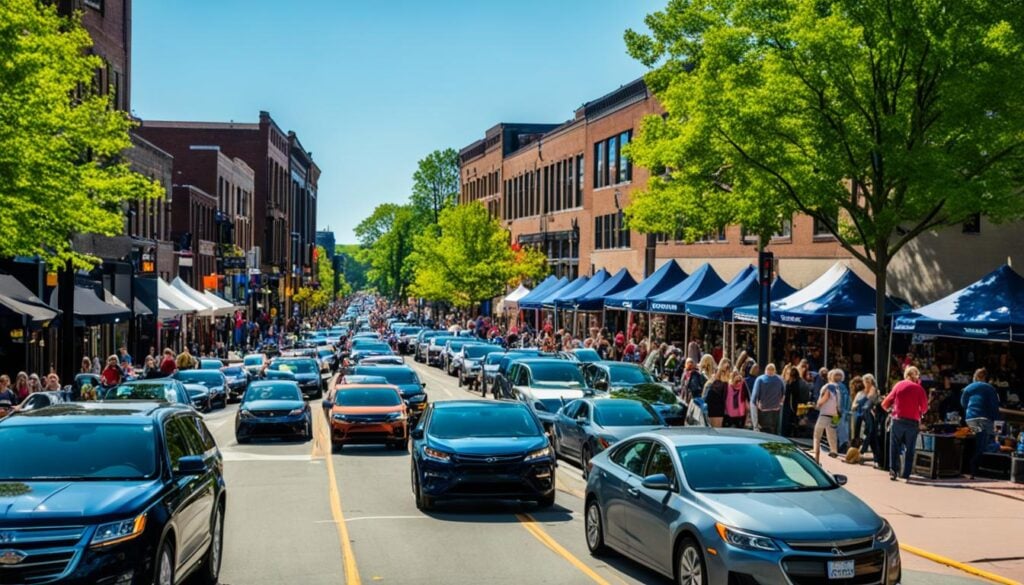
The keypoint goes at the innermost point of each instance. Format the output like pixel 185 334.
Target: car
pixel 368 413
pixel 273 408
pixel 489 370
pixel 435 349
pixel 326 356
pixel 253 363
pixel 468 361
pixel 626 378
pixel 588 426
pixel 581 354
pixel 38 400
pixel 545 384
pixel 406 380
pixel 382 360
pixel 238 379
pixel 146 507
pixel 210 364
pixel 362 348
pixel 306 372
pixel 423 342
pixel 465 449
pixel 156 389
pixel 703 506
pixel 199 396
pixel 501 387
pixel 451 347
pixel 214 380
pixel 406 337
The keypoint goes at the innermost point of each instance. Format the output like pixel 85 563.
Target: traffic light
pixel 765 268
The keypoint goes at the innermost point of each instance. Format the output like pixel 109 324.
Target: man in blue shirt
pixel 981 403
pixel 768 396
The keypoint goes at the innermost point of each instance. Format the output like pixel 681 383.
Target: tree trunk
pixel 881 319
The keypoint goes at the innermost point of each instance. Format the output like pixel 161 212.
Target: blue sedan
pixel 713 507
pixel 273 408
pixel 585 427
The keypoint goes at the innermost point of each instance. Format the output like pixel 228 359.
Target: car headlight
pixel 745 540
pixel 244 413
pixel 395 416
pixel 436 455
pixel 297 412
pixel 115 532
pixel 538 454
pixel 885 533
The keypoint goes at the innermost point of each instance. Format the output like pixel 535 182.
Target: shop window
pixel 579 180
pixel 786 231
pixel 600 178
pixel 821 229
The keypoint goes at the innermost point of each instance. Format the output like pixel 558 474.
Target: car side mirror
pixel 658 481
pixel 581 421
pixel 191 465
pixel 423 384
pixel 841 479
pixel 416 434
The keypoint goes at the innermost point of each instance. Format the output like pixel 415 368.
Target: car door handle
pixel 633 492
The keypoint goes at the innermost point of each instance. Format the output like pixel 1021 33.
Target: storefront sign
pixel 673 307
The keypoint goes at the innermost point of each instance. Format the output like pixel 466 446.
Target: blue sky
pixel 371 87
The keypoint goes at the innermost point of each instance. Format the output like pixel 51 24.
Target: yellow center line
pixel 534 528
pixel 958 565
pixel 348 557
pixel 568 490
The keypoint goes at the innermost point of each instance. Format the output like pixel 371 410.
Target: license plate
pixel 840 570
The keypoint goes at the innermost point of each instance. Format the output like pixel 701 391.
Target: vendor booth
pixel 672 303
pixel 569 301
pixel 534 300
pixel 593 301
pixel 549 303
pixel 510 304
pixel 636 300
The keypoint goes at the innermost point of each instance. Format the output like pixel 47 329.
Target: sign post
pixel 765 270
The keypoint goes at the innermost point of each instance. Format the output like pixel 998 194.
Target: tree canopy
pixel 470 260
pixel 880 119
pixel 435 184
pixel 354 268
pixel 61 170
pixel 386 238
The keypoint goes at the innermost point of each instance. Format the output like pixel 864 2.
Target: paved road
pixel 299 514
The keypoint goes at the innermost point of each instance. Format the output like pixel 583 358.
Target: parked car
pixel 326 356
pixel 146 505
pixel 489 371
pixel 435 350
pixel 369 414
pixel 253 363
pixel 382 360
pixel 625 378
pixel 588 426
pixel 501 387
pixel 448 352
pixel 157 389
pixel 364 348
pixel 199 395
pixel 38 400
pixel 467 363
pixel 306 372
pixel 546 384
pixel 406 380
pixel 215 381
pixel 667 499
pixel 423 342
pixel 273 408
pixel 210 364
pixel 238 379
pixel 481 450
pixel 406 337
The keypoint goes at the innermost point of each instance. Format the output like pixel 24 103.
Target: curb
pixel 958 565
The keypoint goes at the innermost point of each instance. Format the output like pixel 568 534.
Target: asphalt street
pixel 298 514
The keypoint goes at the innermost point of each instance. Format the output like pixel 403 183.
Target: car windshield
pixel 587 355
pixel 206 378
pixel 473 421
pixel 393 375
pixel 494 358
pixel 273 392
pixel 477 351
pixel 295 366
pixel 547 405
pixel 623 413
pixel 324 352
pixel 368 397
pixel 629 374
pixel 160 391
pixel 253 360
pixel 122 452
pixel 556 375
pixel 233 371
pixel 372 346
pixel 352 379
pixel 751 467
pixel 457 345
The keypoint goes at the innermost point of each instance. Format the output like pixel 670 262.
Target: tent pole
pixel 650 326
pixel 824 358
pixel 686 330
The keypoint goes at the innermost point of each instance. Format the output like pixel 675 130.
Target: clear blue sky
pixel 372 86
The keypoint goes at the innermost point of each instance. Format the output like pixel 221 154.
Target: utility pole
pixel 765 269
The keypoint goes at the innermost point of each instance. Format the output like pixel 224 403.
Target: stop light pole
pixel 765 269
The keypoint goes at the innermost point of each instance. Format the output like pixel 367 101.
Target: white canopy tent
pixel 221 306
pixel 173 303
pixel 197 298
pixel 511 300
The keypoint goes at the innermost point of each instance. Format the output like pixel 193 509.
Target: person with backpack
pixel 737 402
pixel 692 382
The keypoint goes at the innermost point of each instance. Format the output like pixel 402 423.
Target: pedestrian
pixel 167 363
pixel 791 375
pixel 906 403
pixel 768 396
pixel 843 430
pixel 34 383
pixel 185 361
pixel 125 357
pixel 737 402
pixel 828 416
pixel 694 350
pixel 112 374
pixel 86 366
pixel 715 395
pixel 21 391
pixel 981 404
pixel 151 370
pixel 692 382
pixel 707 367
pixel 751 376
pixel 97 365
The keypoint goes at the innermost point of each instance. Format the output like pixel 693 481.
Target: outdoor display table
pixel 940 455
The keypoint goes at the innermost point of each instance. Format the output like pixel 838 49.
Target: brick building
pixel 563 187
pixel 151 219
pixel 194 227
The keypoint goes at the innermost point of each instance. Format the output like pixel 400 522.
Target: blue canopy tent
pixel 637 298
pixel 990 309
pixel 549 302
pixel 594 300
pixel 701 283
pixel 537 295
pixel 569 300
pixel 742 290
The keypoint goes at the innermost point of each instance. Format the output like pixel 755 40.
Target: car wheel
pixel 594 529
pixel 546 501
pixel 164 573
pixel 209 573
pixel 690 564
pixel 308 434
pixel 423 501
pixel 585 461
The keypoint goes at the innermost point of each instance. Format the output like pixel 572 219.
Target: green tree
pixel 435 184
pixel 61 170
pixel 354 269
pixel 386 238
pixel 880 119
pixel 470 260
pixel 325 272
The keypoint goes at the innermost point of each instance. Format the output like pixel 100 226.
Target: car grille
pixel 846 547
pixel 487 459
pixel 49 553
pixel 366 418
pixel 270 413
pixel 869 569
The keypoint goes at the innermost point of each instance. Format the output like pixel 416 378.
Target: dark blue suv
pixel 134 493
pixel 474 449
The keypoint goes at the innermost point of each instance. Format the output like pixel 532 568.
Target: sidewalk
pixel 979 523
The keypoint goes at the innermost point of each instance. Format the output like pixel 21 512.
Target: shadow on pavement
pixel 631 568
pixel 369 451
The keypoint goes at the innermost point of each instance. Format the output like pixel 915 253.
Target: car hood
pixel 410 389
pixel 367 409
pixel 307 377
pixel 823 514
pixel 490 445
pixel 273 404
pixel 77 500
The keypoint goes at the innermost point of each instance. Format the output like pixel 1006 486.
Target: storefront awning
pixel 568 300
pixel 594 300
pixel 18 302
pixel 990 309
pixel 741 291
pixel 638 297
pixel 221 306
pixel 172 303
pixel 533 300
pixel 701 283
pixel 90 309
pixel 197 298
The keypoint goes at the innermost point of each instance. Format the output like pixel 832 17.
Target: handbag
pixel 836 418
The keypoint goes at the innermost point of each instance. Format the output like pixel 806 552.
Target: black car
pixel 238 379
pixel 501 387
pixel 407 381
pixel 145 505
pixel 200 397
pixel 273 409
pixel 214 381
pixel 306 372
pixel 474 449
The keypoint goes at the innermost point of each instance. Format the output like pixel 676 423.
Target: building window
pixel 579 180
pixel 821 230
pixel 600 179
pixel 612 167
pixel 786 232
pixel 613 160
pixel 973 224
pixel 712 236
pixel 610 232
pixel 625 167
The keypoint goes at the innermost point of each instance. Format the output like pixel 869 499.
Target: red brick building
pixel 194 227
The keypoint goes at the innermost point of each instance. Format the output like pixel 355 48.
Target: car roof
pixel 137 412
pixel 368 387
pixel 478 404
pixel 686 436
pixel 274 382
pixel 533 361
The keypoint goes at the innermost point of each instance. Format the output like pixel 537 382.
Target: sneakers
pixel 892 475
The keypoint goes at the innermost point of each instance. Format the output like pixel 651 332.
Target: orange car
pixel 369 413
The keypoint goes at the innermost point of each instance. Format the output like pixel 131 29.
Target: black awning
pixel 18 301
pixel 145 296
pixel 90 309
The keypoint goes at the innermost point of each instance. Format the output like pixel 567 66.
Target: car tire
pixel 209 572
pixel 585 461
pixel 308 434
pixel 546 502
pixel 163 573
pixel 690 567
pixel 593 528
pixel 423 502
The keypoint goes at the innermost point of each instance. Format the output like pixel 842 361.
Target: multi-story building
pixel 194 228
pixel 304 175
pixel 563 187
pixel 151 219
